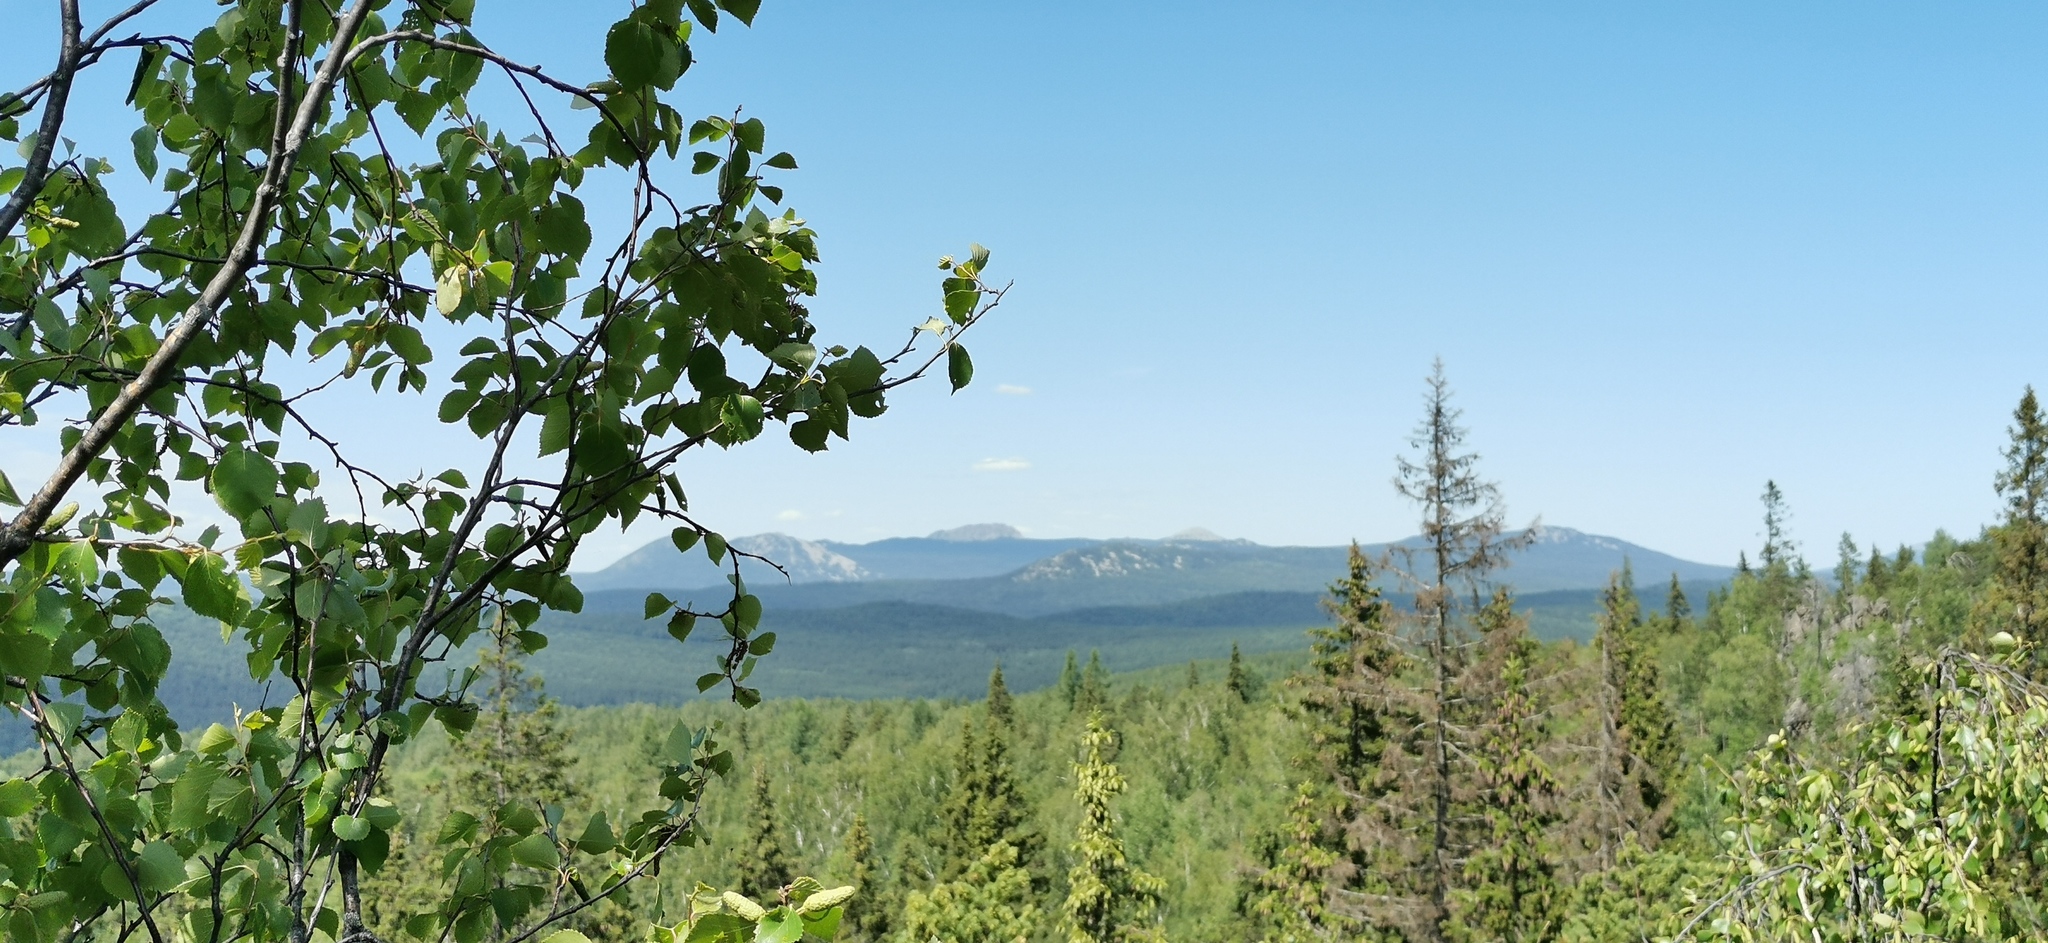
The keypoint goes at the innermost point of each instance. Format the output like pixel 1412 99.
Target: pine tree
pixel 1194 676
pixel 1092 694
pixel 1070 680
pixel 1462 542
pixel 2017 600
pixel 1001 712
pixel 765 868
pixel 1510 889
pixel 843 738
pixel 1107 899
pixel 1238 681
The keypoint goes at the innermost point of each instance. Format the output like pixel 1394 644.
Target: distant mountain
pixel 960 553
pixel 984 567
pixel 1085 574
pixel 660 565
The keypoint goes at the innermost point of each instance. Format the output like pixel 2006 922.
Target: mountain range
pixel 993 568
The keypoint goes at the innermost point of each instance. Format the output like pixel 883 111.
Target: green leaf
pixel 959 367
pixel 597 836
pixel 210 590
pixel 159 867
pixel 351 828
pixel 217 739
pixel 680 624
pixel 781 925
pixel 633 51
pixel 537 851
pixel 781 161
pixel 562 228
pixel 555 429
pixel 656 605
pixel 17 798
pixel 449 287
pixel 706 682
pixel 566 936
pixel 746 611
pixel 243 481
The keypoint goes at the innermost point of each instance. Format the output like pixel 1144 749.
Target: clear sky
pixel 1666 251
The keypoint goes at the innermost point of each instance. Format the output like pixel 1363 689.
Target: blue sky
pixel 1667 251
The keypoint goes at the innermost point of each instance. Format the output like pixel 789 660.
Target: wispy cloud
pixel 790 515
pixel 1001 465
pixel 1012 389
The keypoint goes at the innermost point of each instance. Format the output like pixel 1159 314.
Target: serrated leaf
pixel 17 798
pixel 537 851
pixel 243 481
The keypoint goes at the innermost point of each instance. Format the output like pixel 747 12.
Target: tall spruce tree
pixel 984 806
pixel 1677 608
pixel 1237 680
pixel 2017 599
pixel 765 867
pixel 1092 694
pixel 1290 896
pixel 1510 889
pixel 864 914
pixel 1779 551
pixel 1108 900
pixel 1634 748
pixel 1462 544
pixel 1002 713
pixel 1070 680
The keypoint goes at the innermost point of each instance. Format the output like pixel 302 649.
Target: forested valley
pixel 1848 753
pixel 323 381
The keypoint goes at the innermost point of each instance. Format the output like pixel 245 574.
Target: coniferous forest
pixel 332 333
pixel 1840 753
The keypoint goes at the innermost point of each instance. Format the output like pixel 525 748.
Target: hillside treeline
pixel 1848 752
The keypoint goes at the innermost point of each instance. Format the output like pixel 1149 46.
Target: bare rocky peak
pixel 1198 535
pixel 806 561
pixel 974 533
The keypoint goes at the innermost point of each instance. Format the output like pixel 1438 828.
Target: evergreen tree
pixel 1291 896
pixel 984 806
pixel 992 900
pixel 1677 609
pixel 1462 543
pixel 1002 713
pixel 1877 575
pixel 1070 680
pixel 2017 599
pixel 1108 900
pixel 1194 676
pixel 865 914
pixel 765 867
pixel 516 747
pixel 1510 890
pixel 1779 551
pixel 1742 563
pixel 1237 681
pixel 1092 694
pixel 1635 751
pixel 843 738
pixel 1845 567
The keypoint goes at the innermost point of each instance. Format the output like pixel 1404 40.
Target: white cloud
pixel 1001 465
pixel 790 515
pixel 1011 389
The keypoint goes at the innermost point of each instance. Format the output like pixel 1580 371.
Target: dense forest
pixel 1848 754
pixel 579 288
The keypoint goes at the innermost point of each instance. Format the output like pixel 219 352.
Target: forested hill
pixel 994 568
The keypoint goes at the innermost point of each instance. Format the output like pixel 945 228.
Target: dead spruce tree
pixel 194 353
pixel 1426 822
